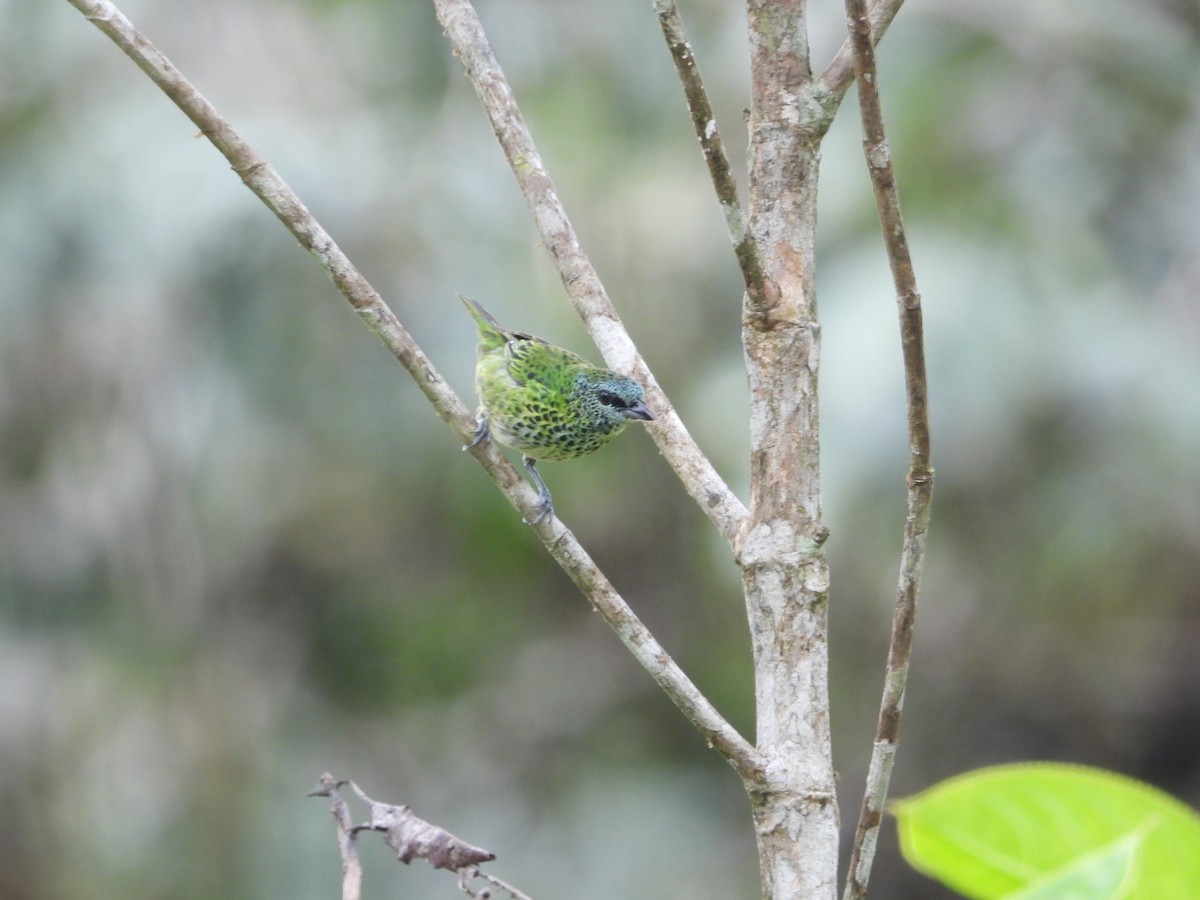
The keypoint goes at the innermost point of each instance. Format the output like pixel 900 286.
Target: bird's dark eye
pixel 609 399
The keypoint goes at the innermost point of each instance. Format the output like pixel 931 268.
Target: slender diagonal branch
pixel 920 471
pixel 352 875
pixel 258 175
pixel 839 74
pixel 699 478
pixel 713 147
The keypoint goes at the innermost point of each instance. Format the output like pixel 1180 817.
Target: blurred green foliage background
pixel 238 549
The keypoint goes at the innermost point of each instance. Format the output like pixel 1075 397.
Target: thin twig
pixel 839 74
pixel 699 478
pixel 347 836
pixel 704 121
pixel 920 471
pixel 558 539
pixel 471 872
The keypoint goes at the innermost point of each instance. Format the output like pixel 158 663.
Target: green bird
pixel 545 401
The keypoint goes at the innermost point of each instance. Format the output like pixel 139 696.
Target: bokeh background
pixel 238 549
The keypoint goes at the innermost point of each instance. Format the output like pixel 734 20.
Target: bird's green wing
pixel 532 360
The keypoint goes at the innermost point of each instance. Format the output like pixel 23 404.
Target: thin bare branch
pixel 472 872
pixel 699 478
pixel 278 197
pixel 558 539
pixel 920 471
pixel 720 735
pixel 704 121
pixel 347 837
pixel 839 74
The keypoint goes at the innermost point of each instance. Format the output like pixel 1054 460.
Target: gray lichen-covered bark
pixel 781 553
pixel 784 569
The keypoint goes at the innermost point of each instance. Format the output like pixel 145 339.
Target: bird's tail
pixel 492 334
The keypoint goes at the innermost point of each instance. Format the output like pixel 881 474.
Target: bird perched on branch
pixel 547 402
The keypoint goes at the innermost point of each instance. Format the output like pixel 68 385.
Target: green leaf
pixel 1040 830
pixel 1104 873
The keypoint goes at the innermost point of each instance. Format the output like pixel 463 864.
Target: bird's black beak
pixel 639 411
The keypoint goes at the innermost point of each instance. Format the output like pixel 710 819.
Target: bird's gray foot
pixel 481 433
pixel 545 506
